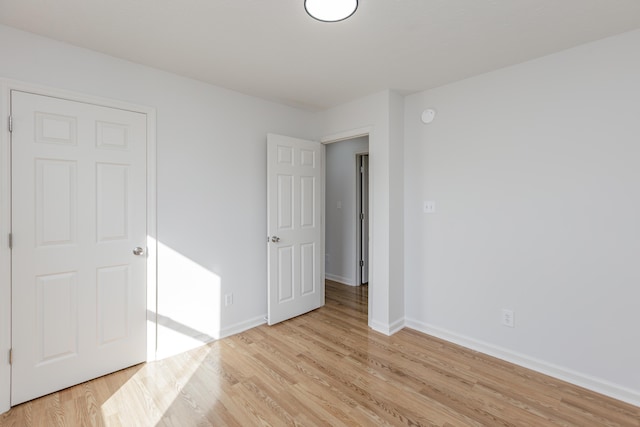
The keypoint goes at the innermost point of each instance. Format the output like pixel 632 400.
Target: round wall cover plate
pixel 428 115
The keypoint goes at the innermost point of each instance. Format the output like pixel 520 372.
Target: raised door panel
pixel 307 202
pixel 286 273
pixel 285 198
pixel 112 195
pixel 57 317
pixel 112 135
pixel 56 202
pixel 285 155
pixel 307 268
pixel 56 129
pixel 112 303
pixel 308 158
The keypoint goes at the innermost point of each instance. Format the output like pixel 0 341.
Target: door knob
pixel 275 239
pixel 138 250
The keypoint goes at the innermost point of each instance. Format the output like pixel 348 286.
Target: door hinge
pixel 361 169
pixel 10 124
pixel 361 216
pixel 10 356
pixel 10 240
pixel 361 263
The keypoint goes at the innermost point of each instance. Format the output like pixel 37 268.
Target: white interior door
pixel 364 219
pixel 78 212
pixel 295 206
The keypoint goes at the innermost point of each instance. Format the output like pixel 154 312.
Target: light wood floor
pixel 325 368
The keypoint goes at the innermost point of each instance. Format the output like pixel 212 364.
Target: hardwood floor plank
pixel 326 368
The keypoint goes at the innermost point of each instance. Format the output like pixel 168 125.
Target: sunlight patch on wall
pixel 188 312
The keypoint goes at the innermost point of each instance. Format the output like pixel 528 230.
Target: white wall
pixel 341 210
pixel 211 183
pixel 378 113
pixel 535 170
pixel 396 212
pixel 5 262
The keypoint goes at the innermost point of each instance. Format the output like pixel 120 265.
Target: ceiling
pixel 272 49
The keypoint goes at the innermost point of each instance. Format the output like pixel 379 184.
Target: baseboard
pixel 379 327
pixel 387 329
pixel 242 326
pixel 396 326
pixel 594 384
pixel 340 279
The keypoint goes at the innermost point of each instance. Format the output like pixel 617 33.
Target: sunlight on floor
pixel 187 317
pixel 153 389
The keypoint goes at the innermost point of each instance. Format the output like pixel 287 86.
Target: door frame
pixel 6 86
pixel 343 136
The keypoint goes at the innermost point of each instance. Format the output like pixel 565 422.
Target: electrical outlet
pixel 228 300
pixel 429 206
pixel 508 318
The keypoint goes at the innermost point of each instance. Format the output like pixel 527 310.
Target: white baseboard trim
pixel 242 326
pixel 379 327
pixel 595 384
pixel 389 329
pixel 396 326
pixel 340 279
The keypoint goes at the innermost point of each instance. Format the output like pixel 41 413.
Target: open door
pixel 295 207
pixel 363 207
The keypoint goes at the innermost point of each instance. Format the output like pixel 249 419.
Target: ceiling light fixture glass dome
pixel 330 10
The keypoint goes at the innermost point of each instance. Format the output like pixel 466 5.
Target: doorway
pixel 347 212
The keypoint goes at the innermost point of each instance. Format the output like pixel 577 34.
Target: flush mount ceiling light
pixel 330 10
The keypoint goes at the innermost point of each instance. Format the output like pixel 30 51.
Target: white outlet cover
pixel 508 318
pixel 429 206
